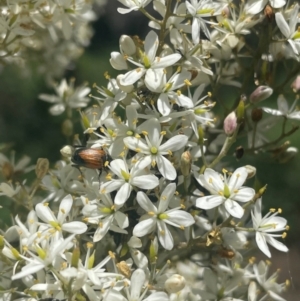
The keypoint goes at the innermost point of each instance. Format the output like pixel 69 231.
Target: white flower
pixel 199 10
pixel 153 150
pixel 255 6
pixel 67 97
pixel 268 283
pixel 198 113
pixel 283 109
pixel 225 191
pixel 132 5
pixel 159 217
pixel 136 177
pixel 167 96
pixel 149 62
pixel 47 256
pixel 289 29
pixel 106 216
pixel 59 224
pixel 265 228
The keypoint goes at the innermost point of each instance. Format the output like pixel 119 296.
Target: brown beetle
pixel 92 158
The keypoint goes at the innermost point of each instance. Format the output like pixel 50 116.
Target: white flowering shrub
pixel 149 207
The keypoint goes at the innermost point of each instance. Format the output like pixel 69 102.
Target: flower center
pixel 153 150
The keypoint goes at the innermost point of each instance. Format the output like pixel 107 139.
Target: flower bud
pixel 230 124
pixel 260 93
pixel 256 114
pixel 41 168
pixel 240 111
pixel 127 45
pixel 186 163
pixel 251 170
pixel 296 84
pixel 289 154
pixel 75 257
pixel 201 135
pixel 175 284
pixel 67 151
pixel 153 250
pixel 67 128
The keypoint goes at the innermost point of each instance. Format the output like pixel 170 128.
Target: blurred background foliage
pixel 25 121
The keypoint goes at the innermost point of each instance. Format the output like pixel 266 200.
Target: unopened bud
pixel 230 124
pixel 201 135
pixel 75 257
pixel 41 168
pixel 1 242
pixel 186 163
pixel 251 170
pixel 175 284
pixel 67 151
pixel 67 128
pixel 153 250
pixel 240 111
pixel 260 93
pixel 289 154
pixel 256 114
pixel 296 84
pixel 127 45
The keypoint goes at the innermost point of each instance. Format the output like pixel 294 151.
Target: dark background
pixel 25 121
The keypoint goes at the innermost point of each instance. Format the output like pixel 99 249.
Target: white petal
pixel 137 281
pixel 173 144
pixel 163 104
pixel 238 178
pixel 121 219
pixel 164 235
pixel 110 186
pixel 123 194
pixel 179 218
pixel 155 80
pixel 255 6
pixel 64 208
pixel 145 203
pixel 44 213
pixel 117 165
pixel 209 202
pixel 145 182
pixel 244 194
pixel 282 104
pixel 75 227
pixel 132 76
pixel 101 231
pixel 166 196
pixel 144 227
pixel 276 244
pixel 151 45
pixel 272 111
pixel 261 243
pixel 28 270
pixel 282 24
pixel 166 61
pixel 166 168
pixel 234 208
pixel 136 144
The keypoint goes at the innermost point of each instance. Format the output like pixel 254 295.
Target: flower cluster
pixel 54 33
pixel 146 213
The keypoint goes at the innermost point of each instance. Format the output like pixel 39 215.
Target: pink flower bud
pixel 296 84
pixel 230 124
pixel 260 93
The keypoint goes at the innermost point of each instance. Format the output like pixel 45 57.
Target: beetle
pixel 92 158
